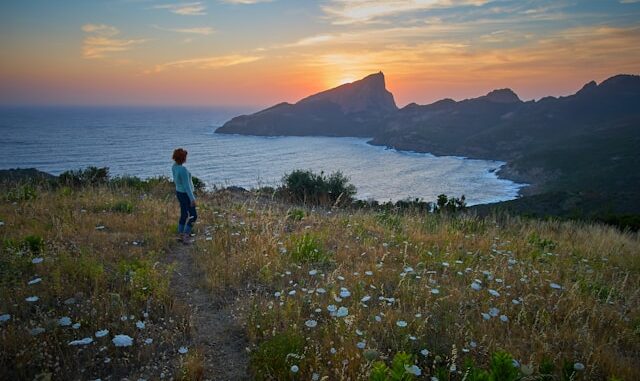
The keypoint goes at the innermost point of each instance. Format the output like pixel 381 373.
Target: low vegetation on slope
pixel 323 293
pixel 84 289
pixel 329 294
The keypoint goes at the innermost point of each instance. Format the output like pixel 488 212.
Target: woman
pixel 184 191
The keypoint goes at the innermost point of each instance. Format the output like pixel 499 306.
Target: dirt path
pixel 213 328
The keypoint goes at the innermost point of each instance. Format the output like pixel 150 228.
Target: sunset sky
pixel 260 52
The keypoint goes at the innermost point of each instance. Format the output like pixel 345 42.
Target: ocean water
pixel 140 141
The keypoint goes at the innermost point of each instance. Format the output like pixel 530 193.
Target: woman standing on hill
pixel 184 192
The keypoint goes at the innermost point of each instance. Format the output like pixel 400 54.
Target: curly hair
pixel 179 155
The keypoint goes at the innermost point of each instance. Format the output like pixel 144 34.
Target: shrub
pixel 122 207
pixel 450 204
pixel 502 367
pixel 84 177
pixel 295 214
pixel 307 248
pixel 399 370
pixel 23 192
pixel 272 359
pixel 198 185
pixel 33 243
pixel 318 189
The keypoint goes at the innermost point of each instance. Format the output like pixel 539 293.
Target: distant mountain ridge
pixel 586 141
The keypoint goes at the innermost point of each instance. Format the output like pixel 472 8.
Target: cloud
pixel 204 63
pixel 246 1
pixel 205 30
pixel 363 11
pixel 100 42
pixel 557 55
pixel 100 29
pixel 185 9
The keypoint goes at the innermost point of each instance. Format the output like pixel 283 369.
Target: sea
pixel 139 141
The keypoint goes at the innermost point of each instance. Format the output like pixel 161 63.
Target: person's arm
pixel 188 185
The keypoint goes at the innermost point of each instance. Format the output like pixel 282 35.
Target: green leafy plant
pixel 272 360
pixel 446 204
pixel 318 189
pixel 295 214
pixel 33 243
pixel 546 369
pixel 399 370
pixel 307 248
pixel 23 192
pixel 84 177
pixel 122 206
pixel 502 367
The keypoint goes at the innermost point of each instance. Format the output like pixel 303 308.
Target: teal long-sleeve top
pixel 182 179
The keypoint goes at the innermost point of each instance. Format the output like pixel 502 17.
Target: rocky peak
pixel 368 94
pixel 502 96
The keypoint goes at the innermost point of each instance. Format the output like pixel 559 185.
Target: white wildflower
pixel 85 341
pixel 122 341
pixel 64 321
pixel 413 369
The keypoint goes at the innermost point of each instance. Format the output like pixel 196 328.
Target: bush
pixel 318 189
pixel 23 192
pixel 399 370
pixel 33 243
pixel 85 177
pixel 295 214
pixel 307 248
pixel 122 207
pixel 272 359
pixel 198 185
pixel 450 204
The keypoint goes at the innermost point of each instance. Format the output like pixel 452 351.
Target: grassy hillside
pixel 323 294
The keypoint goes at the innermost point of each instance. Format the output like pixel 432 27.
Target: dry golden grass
pixel 102 267
pixel 416 269
pixel 427 264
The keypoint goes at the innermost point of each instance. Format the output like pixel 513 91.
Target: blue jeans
pixel 188 214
